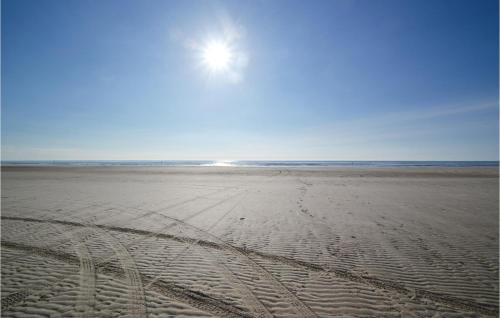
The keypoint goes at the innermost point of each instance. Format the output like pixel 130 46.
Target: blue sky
pixel 319 80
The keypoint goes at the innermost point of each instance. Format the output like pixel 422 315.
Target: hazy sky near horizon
pixel 308 80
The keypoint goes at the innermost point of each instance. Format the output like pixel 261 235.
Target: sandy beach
pixel 249 242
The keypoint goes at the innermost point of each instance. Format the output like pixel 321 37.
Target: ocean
pixel 250 163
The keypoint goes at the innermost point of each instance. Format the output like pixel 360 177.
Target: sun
pixel 217 56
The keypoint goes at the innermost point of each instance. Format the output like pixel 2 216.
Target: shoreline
pixel 407 171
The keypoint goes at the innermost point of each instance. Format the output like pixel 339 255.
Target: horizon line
pixel 239 160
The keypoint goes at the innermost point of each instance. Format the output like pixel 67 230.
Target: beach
pixel 249 241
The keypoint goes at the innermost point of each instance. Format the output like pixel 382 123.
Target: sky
pixel 306 80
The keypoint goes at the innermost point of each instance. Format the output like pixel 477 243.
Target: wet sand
pixel 249 242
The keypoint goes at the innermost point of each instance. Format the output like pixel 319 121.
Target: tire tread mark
pixel 256 306
pixel 136 298
pixel 417 293
pixel 301 308
pixel 192 243
pixel 196 299
pixel 174 205
pixel 87 287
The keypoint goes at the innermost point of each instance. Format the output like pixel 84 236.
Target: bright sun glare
pixel 217 56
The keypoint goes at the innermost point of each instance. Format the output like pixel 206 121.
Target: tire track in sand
pixel 71 213
pixel 86 293
pixel 257 308
pixel 191 244
pixel 416 293
pixel 174 205
pixel 87 288
pixel 398 286
pixel 136 299
pixel 284 292
pixel 299 307
pixel 180 221
pixel 87 281
pixel 196 299
pixel 136 303
pixel 19 296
